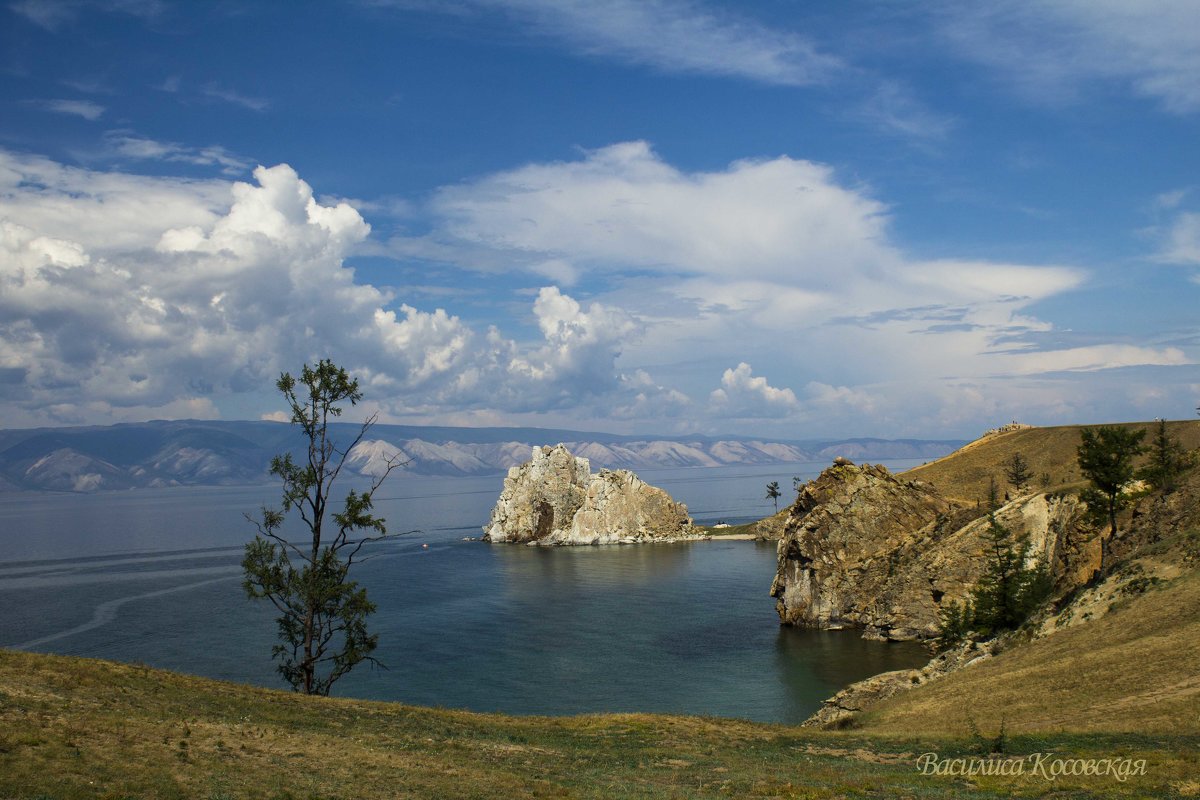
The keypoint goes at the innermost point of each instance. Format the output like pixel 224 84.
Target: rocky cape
pixel 885 554
pixel 865 549
pixel 1153 548
pixel 554 499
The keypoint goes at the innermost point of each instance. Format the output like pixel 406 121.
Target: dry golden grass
pixel 80 728
pixel 1136 669
pixel 1051 453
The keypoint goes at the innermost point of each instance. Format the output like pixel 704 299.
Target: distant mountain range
pixel 193 452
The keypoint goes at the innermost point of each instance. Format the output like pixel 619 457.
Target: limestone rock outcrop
pixel 554 499
pixel 865 694
pixel 770 529
pixel 866 549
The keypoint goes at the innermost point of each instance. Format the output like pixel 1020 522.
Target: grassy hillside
pixel 79 728
pixel 1135 669
pixel 1050 452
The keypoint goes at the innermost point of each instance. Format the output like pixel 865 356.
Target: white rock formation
pixel 554 499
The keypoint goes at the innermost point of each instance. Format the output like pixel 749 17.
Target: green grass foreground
pixel 83 728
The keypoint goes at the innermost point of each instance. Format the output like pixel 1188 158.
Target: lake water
pixel 153 576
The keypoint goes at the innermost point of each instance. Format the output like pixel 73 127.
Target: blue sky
pixel 783 219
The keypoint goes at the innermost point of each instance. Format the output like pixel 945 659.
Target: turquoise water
pixel 154 577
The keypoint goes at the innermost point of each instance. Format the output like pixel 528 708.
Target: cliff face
pixel 846 534
pixel 863 548
pixel 554 499
pixel 539 496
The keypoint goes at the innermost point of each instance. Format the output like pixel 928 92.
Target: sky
pixel 776 218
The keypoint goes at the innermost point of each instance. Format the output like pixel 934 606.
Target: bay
pixel 153 576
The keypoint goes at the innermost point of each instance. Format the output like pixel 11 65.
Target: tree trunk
pixel 309 667
pixel 1106 543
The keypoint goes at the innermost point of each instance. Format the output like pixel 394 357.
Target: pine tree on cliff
pixel 993 494
pixel 1106 457
pixel 1008 591
pixel 1167 459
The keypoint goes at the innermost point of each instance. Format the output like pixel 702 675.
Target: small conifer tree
pixel 1105 458
pixel 1008 591
pixel 1167 459
pixel 323 614
pixel 773 493
pixel 1017 471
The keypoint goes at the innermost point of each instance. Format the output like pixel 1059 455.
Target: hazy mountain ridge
pixel 194 452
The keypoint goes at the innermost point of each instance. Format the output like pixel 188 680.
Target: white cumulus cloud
pixel 745 395
pixel 122 295
pixel 623 205
pixel 579 351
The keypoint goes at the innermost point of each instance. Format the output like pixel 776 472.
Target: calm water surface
pixel 154 576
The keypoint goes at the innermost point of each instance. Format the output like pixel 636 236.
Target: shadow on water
pixel 569 570
pixel 815 665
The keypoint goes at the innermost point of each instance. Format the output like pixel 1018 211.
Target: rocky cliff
pixel 553 499
pixel 866 549
pixel 1157 551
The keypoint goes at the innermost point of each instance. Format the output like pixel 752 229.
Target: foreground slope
pixel 80 728
pixel 1136 669
pixel 1120 654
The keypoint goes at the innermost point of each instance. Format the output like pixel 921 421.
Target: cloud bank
pixel 782 257
pixel 127 297
pixel 130 297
